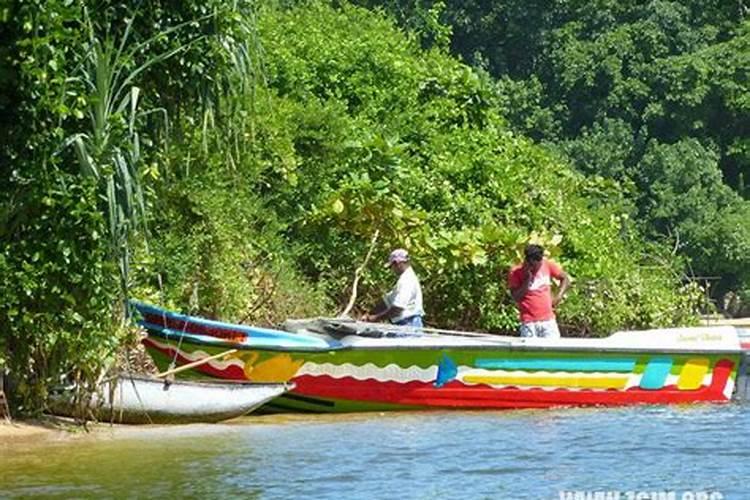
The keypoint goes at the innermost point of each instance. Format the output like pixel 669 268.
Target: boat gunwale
pixel 213 384
pixel 460 340
pixel 510 346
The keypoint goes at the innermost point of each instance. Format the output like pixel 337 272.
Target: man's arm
pixel 564 285
pixel 385 314
pixel 382 311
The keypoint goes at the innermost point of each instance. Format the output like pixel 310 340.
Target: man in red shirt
pixel 530 284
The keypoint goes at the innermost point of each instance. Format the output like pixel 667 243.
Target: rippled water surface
pixel 512 454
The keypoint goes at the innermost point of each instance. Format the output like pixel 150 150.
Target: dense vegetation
pixel 651 94
pixel 235 159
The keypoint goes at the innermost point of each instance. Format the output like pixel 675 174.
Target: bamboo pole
pixel 195 363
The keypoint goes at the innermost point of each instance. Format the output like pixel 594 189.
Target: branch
pixel 358 274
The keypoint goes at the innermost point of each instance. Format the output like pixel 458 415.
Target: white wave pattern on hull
pixel 217 364
pixel 370 371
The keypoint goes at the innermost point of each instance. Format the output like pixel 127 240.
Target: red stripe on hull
pixel 457 395
pixel 181 325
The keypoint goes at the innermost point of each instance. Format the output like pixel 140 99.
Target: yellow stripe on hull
pixel 692 374
pixel 537 381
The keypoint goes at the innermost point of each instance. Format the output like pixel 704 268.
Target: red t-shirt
pixel 536 305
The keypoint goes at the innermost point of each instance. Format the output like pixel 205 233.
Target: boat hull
pixel 134 399
pixel 396 378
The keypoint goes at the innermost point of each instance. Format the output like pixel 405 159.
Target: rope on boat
pixel 140 401
pixel 186 321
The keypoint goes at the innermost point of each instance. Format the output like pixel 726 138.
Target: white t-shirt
pixel 407 294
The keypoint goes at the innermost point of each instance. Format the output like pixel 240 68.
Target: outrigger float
pixel 345 366
pixel 137 399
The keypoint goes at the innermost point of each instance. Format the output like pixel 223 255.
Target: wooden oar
pixel 195 363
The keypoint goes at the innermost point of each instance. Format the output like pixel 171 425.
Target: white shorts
pixel 546 329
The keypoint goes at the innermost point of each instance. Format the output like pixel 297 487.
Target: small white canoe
pixel 137 399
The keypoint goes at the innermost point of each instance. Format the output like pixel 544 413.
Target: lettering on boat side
pixel 639 495
pixel 699 337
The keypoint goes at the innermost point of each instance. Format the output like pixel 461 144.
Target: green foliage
pixel 602 80
pixel 682 194
pixel 429 162
pixel 62 312
pixel 604 149
pixel 522 103
pixel 216 249
pixel 58 288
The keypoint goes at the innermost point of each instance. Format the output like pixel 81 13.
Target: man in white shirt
pixel 403 304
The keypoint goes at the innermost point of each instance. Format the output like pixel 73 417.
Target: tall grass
pixel 110 150
pixel 229 111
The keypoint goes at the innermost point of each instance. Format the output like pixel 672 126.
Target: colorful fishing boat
pixel 344 366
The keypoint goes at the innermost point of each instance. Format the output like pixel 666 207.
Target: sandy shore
pixel 41 429
pixel 29 429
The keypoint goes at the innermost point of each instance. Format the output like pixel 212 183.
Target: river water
pixel 686 452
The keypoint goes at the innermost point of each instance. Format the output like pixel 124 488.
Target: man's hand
pixel 528 276
pixel 528 273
